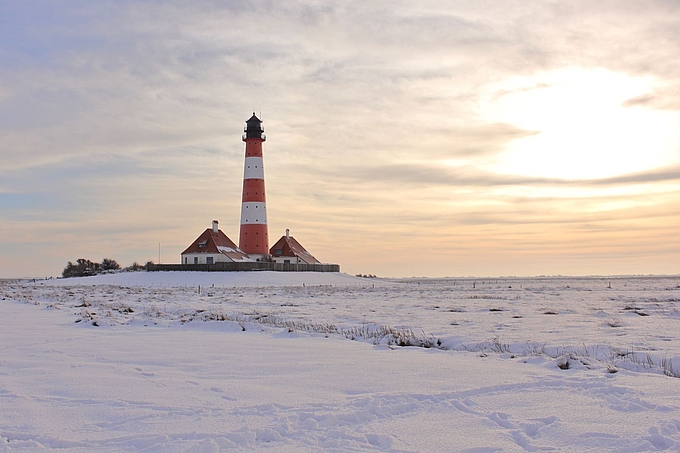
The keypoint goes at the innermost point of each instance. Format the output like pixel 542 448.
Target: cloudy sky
pixel 437 138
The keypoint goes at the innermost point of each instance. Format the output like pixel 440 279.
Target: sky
pixel 432 138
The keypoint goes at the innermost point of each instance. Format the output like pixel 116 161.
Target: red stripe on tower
pixel 253 238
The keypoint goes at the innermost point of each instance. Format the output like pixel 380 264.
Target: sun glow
pixel 582 128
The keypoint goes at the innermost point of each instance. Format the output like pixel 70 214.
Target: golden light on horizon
pixel 583 129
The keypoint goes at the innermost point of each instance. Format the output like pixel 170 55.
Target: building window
pixel 278 252
pixel 186 260
pixel 195 260
pixel 286 261
pixel 209 260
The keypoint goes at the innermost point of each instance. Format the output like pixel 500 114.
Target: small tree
pixel 69 270
pixel 109 265
pixel 81 268
pixel 135 267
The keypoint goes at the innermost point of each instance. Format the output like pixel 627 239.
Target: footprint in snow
pixel 144 373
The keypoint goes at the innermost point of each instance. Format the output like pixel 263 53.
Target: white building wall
pixel 292 259
pixel 202 258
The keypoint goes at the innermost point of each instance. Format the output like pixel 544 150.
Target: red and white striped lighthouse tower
pixel 253 238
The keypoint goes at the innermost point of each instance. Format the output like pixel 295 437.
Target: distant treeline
pixel 85 268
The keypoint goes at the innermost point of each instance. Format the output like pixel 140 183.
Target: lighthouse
pixel 253 237
pixel 214 251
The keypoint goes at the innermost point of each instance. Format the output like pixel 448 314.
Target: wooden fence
pixel 246 267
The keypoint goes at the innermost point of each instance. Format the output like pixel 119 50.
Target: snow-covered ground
pixel 219 279
pixel 258 362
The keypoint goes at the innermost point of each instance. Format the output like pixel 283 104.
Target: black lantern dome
pixel 254 129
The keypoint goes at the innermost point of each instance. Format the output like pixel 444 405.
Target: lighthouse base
pixel 260 257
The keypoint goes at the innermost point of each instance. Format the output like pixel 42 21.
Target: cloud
pixel 665 175
pixel 423 175
pixel 667 99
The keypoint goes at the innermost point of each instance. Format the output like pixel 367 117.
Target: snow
pixel 219 279
pixel 259 362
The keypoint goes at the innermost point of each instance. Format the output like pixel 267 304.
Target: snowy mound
pixel 217 279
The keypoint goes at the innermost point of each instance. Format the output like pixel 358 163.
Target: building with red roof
pixel 213 246
pixel 288 250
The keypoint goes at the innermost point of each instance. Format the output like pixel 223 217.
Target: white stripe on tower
pixel 253 168
pixel 253 238
pixel 253 212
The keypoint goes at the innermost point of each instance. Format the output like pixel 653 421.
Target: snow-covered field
pixel 264 362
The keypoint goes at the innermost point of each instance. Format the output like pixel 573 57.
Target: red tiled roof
pixel 290 247
pixel 211 242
